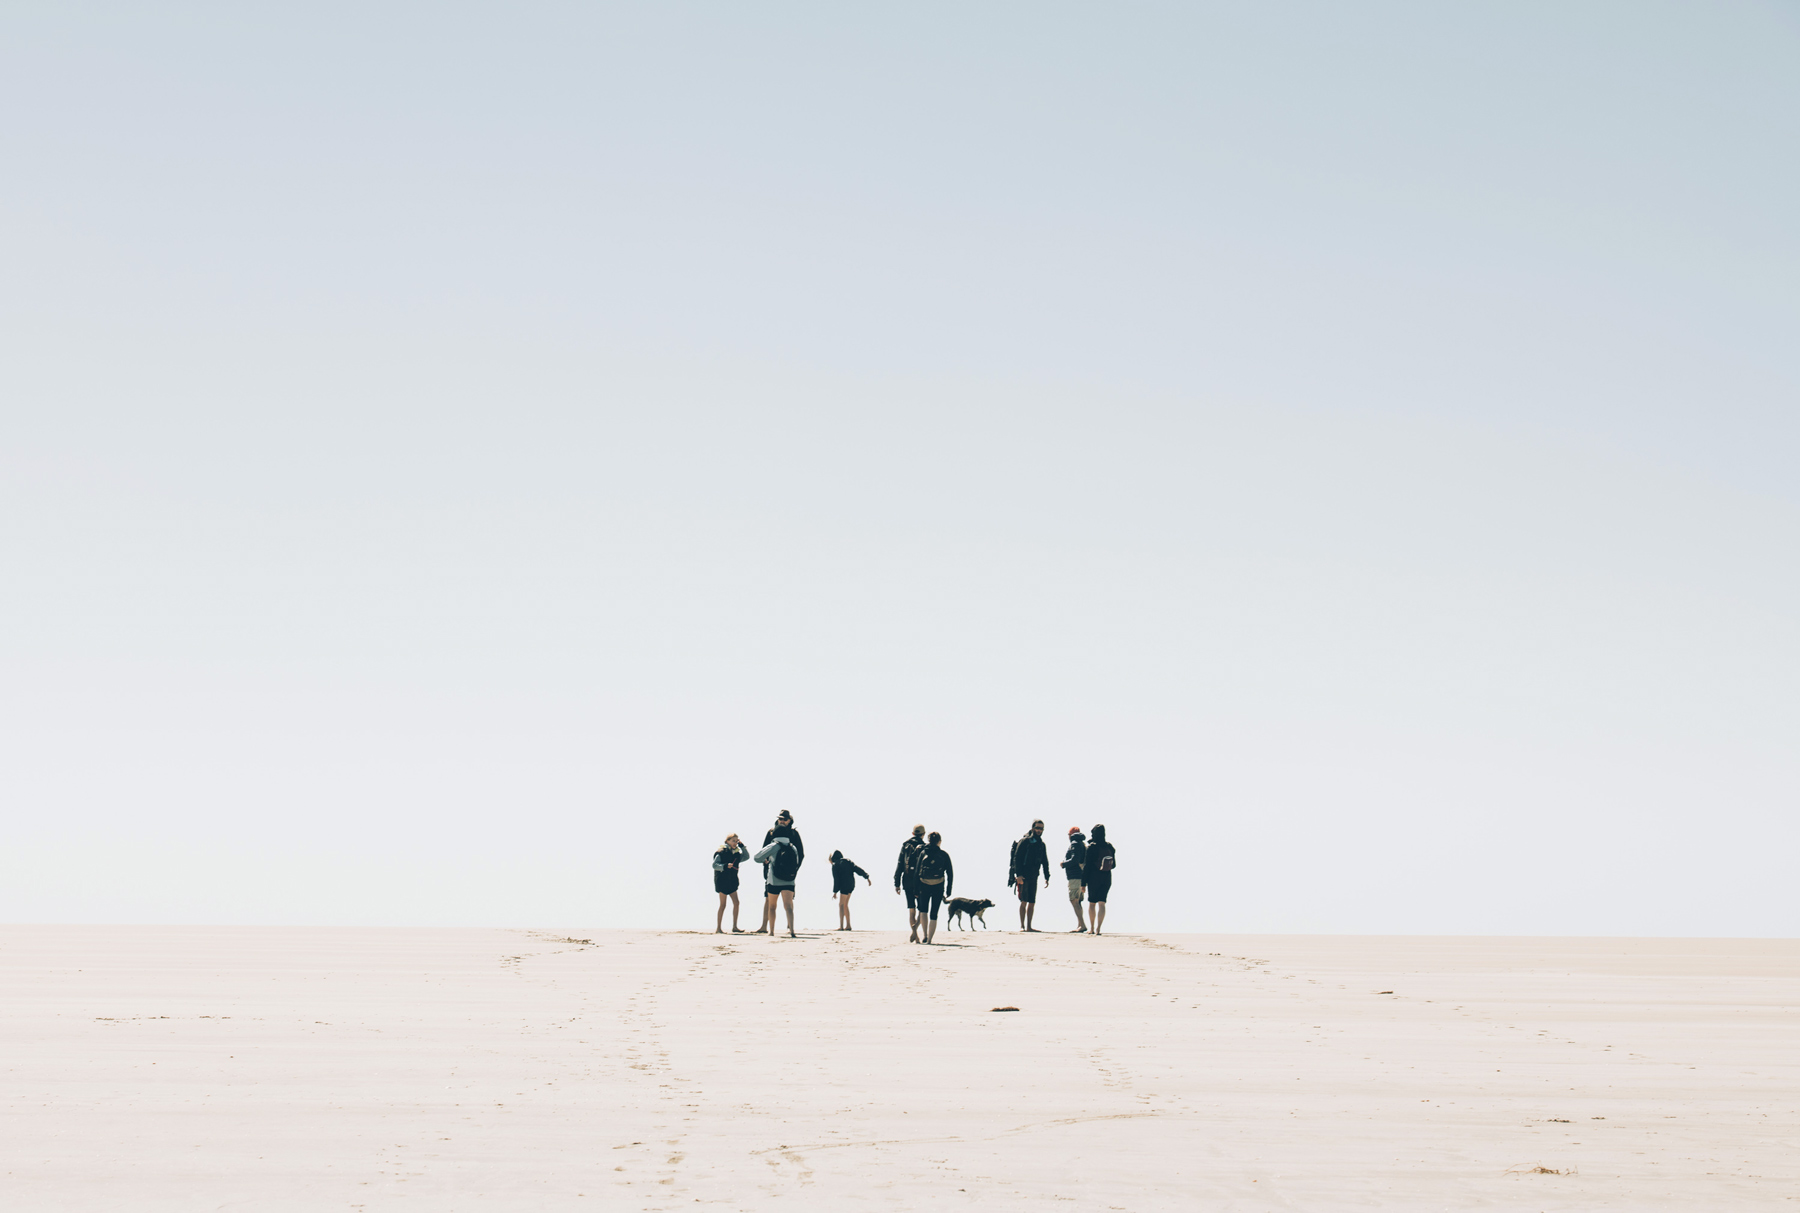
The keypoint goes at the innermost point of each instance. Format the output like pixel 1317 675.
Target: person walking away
pixel 1028 856
pixel 843 883
pixel 726 859
pixel 937 878
pixel 783 857
pixel 1098 870
pixel 906 877
pixel 1074 866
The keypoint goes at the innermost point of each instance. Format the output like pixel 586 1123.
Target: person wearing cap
pixel 906 877
pixel 1074 865
pixel 778 881
pixel 1028 858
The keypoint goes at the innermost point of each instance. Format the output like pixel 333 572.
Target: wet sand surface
pixel 171 1068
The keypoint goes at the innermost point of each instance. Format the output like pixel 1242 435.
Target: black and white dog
pixel 971 906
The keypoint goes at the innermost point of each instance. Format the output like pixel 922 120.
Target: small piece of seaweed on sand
pixel 1006 1008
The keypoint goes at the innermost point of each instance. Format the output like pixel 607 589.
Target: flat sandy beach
pixel 170 1068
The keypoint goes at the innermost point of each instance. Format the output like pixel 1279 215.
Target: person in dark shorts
pixel 726 860
pixel 1098 870
pixel 843 883
pixel 781 868
pixel 1074 866
pixel 906 877
pixel 937 878
pixel 1028 858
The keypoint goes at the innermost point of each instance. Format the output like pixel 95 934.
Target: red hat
pixel 1074 830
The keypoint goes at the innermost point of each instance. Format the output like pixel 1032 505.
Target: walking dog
pixel 971 906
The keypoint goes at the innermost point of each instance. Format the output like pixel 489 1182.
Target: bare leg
pixel 1022 920
pixel 787 900
pixel 719 922
pixel 912 917
pixel 1030 909
pixel 1099 913
pixel 1080 919
pixel 768 923
pixel 734 915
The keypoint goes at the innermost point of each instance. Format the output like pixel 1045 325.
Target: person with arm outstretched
pixel 843 883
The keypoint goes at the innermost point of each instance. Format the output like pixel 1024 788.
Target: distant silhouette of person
pixel 1028 858
pixel 1074 866
pixel 843 883
pixel 906 877
pixel 1098 870
pixel 726 859
pixel 937 877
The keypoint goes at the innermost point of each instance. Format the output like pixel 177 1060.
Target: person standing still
pixel 1028 857
pixel 1073 865
pixel 1098 868
pixel 906 877
pixel 726 861
pixel 783 869
pixel 937 877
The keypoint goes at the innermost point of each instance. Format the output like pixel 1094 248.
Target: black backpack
pixel 931 863
pixel 786 864
pixel 909 856
pixel 1027 867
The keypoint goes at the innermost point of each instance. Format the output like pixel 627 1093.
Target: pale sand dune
pixel 197 1069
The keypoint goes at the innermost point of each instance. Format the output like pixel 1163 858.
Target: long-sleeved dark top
pixel 725 858
pixel 949 868
pixel 1096 851
pixel 1028 855
pixel 843 876
pixel 793 836
pixel 906 848
pixel 1074 864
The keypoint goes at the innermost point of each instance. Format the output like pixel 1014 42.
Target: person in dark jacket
pixel 906 877
pixel 1098 870
pixel 937 877
pixel 781 890
pixel 1028 858
pixel 843 883
pixel 1074 866
pixel 726 859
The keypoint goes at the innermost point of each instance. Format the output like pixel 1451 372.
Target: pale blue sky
pixel 1351 450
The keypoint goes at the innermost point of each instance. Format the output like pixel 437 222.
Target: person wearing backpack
pixel 781 868
pixel 1098 870
pixel 725 863
pixel 906 877
pixel 1074 866
pixel 843 883
pixel 937 876
pixel 1028 857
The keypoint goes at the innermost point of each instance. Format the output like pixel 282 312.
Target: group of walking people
pixel 923 873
